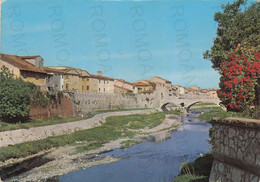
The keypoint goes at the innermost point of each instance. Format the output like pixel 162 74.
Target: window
pixel 37 77
pixel 62 86
pixel 82 87
pixel 99 81
pixel 24 75
pixel 40 64
pixel 87 87
pixel 87 79
pixel 99 89
pixel 104 82
pixel 104 89
pixel 67 86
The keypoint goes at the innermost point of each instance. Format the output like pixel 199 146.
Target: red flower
pixel 257 56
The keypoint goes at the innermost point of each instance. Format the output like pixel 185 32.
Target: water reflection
pixel 159 137
pixel 157 159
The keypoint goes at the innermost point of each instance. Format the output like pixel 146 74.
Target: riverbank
pixel 125 128
pixel 36 133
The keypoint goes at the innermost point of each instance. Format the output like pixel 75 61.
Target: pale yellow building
pixel 22 68
pixel 101 83
pixel 144 87
pixel 70 79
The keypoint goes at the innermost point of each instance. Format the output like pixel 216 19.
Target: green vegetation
pixel 114 128
pixel 128 143
pixel 238 23
pixel 41 122
pixel 87 147
pixel 53 120
pixel 16 97
pixel 115 110
pixel 190 178
pixel 205 104
pixel 220 113
pixel 202 107
pixel 196 171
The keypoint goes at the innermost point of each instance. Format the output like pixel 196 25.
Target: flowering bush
pixel 238 80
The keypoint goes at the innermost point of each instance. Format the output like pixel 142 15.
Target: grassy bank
pixel 54 120
pixel 115 110
pixel 196 171
pixel 114 128
pixel 205 104
pixel 218 112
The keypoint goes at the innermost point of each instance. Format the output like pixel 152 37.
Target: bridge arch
pixel 163 107
pixel 187 104
pixel 188 108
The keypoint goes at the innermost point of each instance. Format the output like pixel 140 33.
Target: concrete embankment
pixel 23 135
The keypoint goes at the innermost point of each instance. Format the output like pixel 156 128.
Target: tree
pixel 237 24
pixel 5 74
pixel 15 97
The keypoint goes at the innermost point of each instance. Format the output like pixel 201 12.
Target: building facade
pixel 21 68
pixel 101 83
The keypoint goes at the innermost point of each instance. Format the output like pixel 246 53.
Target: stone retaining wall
pixel 88 102
pixel 236 150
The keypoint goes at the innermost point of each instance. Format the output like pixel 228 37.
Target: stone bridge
pixel 187 102
pixel 88 102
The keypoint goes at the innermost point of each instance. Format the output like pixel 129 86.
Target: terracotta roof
pixel 29 57
pixel 213 89
pixel 18 62
pixel 54 70
pixel 101 77
pixel 163 79
pixel 123 81
pixel 141 84
pixel 124 88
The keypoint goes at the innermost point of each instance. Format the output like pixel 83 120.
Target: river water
pixel 151 161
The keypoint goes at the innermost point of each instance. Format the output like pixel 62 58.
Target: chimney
pixel 99 73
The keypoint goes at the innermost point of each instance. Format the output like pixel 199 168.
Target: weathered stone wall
pixel 236 150
pixel 88 102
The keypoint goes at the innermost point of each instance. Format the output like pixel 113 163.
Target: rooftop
pixel 18 62
pixel 101 77
pixel 29 57
pixel 124 88
pixel 123 81
pixel 141 84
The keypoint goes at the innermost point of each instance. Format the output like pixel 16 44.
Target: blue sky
pixel 131 40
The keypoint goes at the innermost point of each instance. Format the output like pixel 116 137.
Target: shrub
pixel 16 97
pixel 238 80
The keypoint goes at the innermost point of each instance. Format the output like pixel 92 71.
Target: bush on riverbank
pixel 114 128
pixel 17 97
pixel 196 171
pixel 218 112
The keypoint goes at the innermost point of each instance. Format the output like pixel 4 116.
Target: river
pixel 151 161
